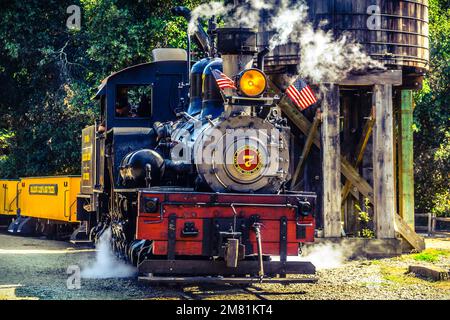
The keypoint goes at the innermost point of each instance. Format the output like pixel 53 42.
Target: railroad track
pixel 203 292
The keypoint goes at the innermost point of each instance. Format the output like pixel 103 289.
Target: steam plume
pixel 326 255
pixel 107 265
pixel 323 59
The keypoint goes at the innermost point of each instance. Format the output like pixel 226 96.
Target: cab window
pixel 133 101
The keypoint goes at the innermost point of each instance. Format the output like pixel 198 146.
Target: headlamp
pixel 252 82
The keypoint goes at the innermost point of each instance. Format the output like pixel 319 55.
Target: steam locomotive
pixel 190 175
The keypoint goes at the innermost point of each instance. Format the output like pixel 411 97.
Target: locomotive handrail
pixel 70 209
pixel 161 209
pixel 15 198
pixel 4 200
pixel 305 224
pixel 262 205
pixel 65 203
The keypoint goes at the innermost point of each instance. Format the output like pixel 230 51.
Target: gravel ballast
pixel 33 268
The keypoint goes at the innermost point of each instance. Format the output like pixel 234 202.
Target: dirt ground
pixel 33 268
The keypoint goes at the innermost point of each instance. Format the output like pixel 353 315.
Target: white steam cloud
pixel 287 22
pixel 206 11
pixel 326 255
pixel 323 58
pixel 107 265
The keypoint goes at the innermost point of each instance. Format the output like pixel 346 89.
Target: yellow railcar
pixel 49 198
pixel 9 197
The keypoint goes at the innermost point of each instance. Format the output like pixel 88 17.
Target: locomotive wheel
pixel 138 251
pixel 40 228
pixel 145 251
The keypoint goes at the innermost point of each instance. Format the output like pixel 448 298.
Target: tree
pixel 48 73
pixel 431 116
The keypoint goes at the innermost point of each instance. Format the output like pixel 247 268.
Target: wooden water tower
pixel 363 137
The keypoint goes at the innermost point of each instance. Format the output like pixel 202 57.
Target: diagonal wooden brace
pixel 367 131
pixel 306 148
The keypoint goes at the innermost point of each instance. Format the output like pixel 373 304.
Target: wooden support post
pixel 306 149
pixel 331 166
pixel 406 160
pixel 383 162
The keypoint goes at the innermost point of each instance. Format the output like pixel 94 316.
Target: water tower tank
pixel 400 42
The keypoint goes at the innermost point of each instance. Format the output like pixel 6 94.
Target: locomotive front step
pixel 223 280
pixel 205 268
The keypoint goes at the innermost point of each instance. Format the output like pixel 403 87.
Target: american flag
pixel 301 94
pixel 223 81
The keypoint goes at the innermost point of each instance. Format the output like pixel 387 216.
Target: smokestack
pixel 237 47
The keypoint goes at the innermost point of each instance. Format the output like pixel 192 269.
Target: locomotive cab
pixel 131 101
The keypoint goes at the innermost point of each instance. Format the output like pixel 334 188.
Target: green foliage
pixel 364 219
pixel 5 138
pixel 432 119
pixel 430 255
pixel 48 73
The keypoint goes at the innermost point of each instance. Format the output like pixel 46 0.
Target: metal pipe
pixel 188 59
pixel 260 59
pixel 257 227
pixel 201 36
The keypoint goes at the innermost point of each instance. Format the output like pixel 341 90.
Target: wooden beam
pixel 408 234
pixel 357 180
pixel 392 77
pixel 331 173
pixel 406 159
pixel 306 148
pixel 361 147
pixel 383 163
pixel 432 272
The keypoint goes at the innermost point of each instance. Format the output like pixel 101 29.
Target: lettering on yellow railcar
pixel 86 156
pixel 43 189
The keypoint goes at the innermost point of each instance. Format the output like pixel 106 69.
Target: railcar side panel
pixel 8 197
pixel 52 198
